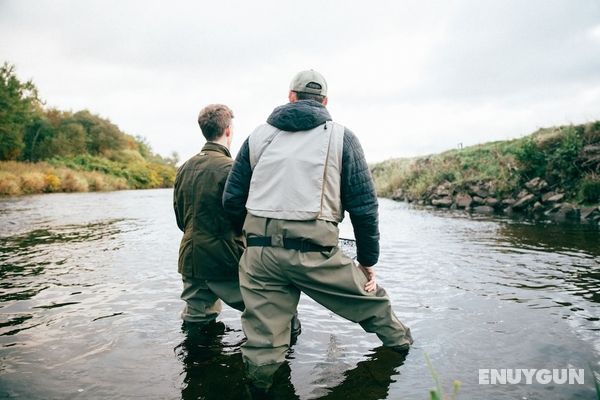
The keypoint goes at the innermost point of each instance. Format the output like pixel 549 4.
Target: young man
pixel 210 249
pixel 295 176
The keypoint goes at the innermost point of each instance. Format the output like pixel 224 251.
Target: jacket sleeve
pixel 237 187
pixel 177 206
pixel 359 198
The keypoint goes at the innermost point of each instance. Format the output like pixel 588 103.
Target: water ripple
pixel 89 306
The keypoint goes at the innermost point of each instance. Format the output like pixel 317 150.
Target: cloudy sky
pixel 408 77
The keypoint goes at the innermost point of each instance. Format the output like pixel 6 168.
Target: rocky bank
pixel 535 199
pixel 552 173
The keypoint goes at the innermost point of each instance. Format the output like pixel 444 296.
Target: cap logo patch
pixel 314 85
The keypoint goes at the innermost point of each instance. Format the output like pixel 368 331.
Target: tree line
pixel 31 132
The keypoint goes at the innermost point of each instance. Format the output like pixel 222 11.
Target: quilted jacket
pixel 359 198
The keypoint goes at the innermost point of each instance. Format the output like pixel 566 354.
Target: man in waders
pixel 210 249
pixel 289 186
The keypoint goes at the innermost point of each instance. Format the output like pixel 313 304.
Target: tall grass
pixel 129 165
pixel 123 170
pixel 494 163
pixel 18 178
pixel 554 154
pixel 596 382
pixel 437 393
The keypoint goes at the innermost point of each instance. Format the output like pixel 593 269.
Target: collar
pixel 302 115
pixel 216 147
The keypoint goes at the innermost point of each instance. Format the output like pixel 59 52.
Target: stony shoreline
pixel 536 199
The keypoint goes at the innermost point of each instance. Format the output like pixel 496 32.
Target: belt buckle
pixel 277 240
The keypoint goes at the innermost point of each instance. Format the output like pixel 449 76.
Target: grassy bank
pixel 80 174
pixel 44 150
pixel 566 160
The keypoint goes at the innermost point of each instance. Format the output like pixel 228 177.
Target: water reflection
pixel 59 234
pixel 370 379
pixel 552 237
pixel 558 258
pixel 32 262
pixel 213 369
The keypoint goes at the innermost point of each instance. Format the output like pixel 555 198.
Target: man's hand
pixel 369 272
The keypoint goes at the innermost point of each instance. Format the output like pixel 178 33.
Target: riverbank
pixel 47 150
pixel 552 173
pixel 82 174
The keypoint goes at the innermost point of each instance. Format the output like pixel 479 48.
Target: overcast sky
pixel 408 77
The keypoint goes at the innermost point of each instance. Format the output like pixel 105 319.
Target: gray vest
pixel 296 175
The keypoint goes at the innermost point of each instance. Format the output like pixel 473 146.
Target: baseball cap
pixel 309 81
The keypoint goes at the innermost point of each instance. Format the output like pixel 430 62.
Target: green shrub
pixel 562 162
pixel 590 189
pixel 446 175
pixel 531 158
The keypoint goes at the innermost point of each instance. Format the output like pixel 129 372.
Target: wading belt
pixel 287 243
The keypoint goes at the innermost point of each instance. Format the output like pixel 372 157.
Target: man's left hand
pixel 369 272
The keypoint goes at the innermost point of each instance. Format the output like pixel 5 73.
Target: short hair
pixel 309 96
pixel 214 119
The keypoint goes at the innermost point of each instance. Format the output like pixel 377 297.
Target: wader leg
pixel 270 304
pixel 229 292
pixel 202 305
pixel 333 280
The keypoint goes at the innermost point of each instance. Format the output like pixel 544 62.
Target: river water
pixel 89 307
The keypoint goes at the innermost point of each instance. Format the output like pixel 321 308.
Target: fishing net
pixel 348 247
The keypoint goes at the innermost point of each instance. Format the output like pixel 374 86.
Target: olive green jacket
pixel 210 249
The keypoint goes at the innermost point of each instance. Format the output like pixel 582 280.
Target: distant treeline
pixel 48 150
